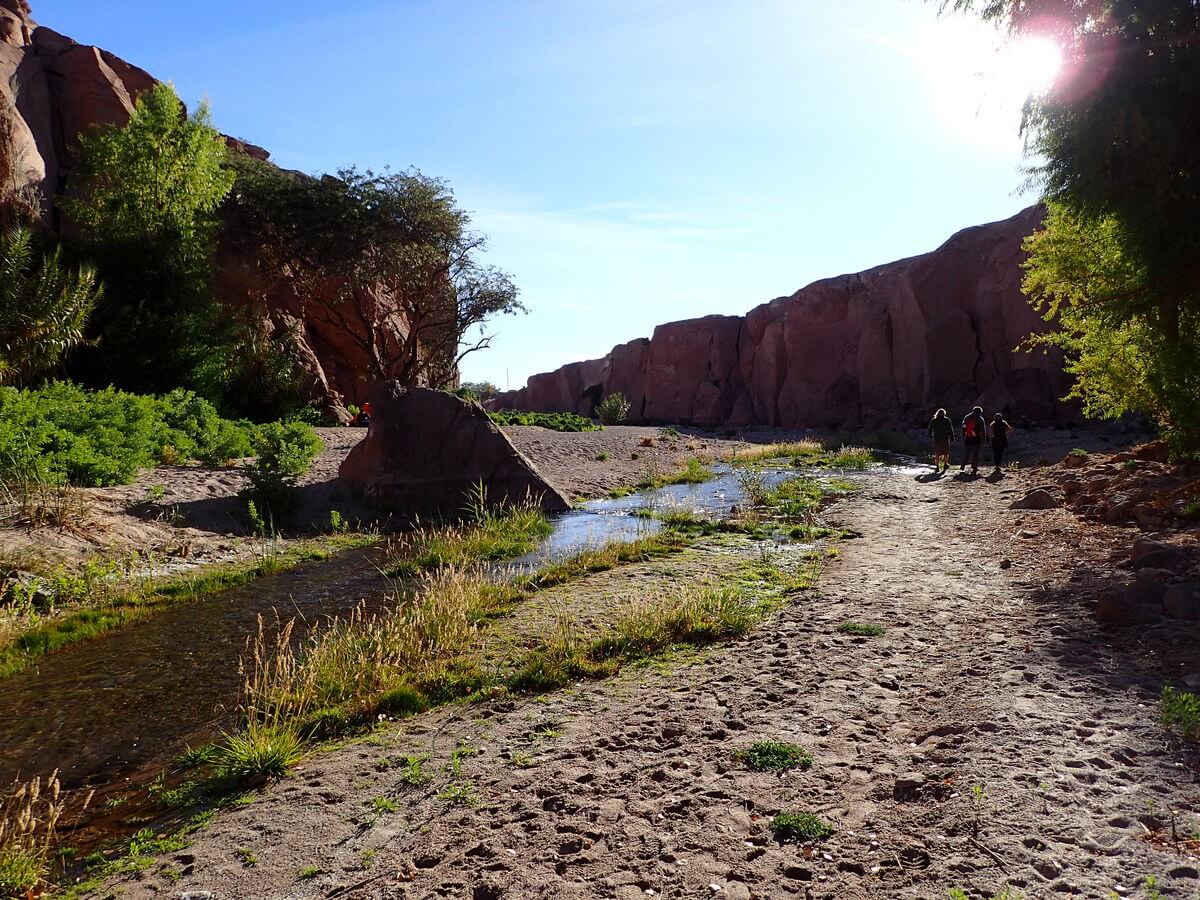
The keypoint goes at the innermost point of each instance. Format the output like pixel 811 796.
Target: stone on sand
pixel 426 452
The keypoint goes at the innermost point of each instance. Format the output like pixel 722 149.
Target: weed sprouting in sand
pixel 413 770
pixel 862 629
pixel 774 756
pixel 800 826
pixel 1179 711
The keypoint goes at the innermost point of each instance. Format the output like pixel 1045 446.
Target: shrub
pixel 283 452
pixel 61 433
pixel 800 826
pixel 553 421
pixel 613 409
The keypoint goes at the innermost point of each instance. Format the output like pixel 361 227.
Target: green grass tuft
pixel 774 756
pixel 800 826
pixel 261 751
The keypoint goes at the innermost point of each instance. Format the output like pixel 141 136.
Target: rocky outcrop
pixel 879 348
pixel 426 452
pixel 52 89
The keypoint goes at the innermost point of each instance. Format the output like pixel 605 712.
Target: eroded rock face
pixel 52 89
pixel 426 451
pixel 880 348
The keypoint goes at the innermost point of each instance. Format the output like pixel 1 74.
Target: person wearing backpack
pixel 1000 430
pixel 974 432
pixel 941 429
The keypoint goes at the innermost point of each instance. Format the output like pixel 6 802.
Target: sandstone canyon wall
pixel 52 89
pixel 880 348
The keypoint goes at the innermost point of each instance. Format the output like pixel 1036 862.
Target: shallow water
pixel 104 710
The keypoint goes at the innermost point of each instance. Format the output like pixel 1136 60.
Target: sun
pixel 979 80
pixel 1029 66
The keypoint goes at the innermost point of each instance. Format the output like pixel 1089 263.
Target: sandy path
pixel 990 675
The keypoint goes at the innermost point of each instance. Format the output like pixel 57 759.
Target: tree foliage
pixel 44 306
pixel 390 257
pixel 1116 146
pixel 148 218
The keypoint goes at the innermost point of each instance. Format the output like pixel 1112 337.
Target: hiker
pixel 1000 429
pixel 941 429
pixel 974 433
pixel 363 419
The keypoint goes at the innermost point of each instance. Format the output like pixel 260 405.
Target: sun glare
pixel 980 81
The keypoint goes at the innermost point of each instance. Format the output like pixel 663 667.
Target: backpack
pixel 969 428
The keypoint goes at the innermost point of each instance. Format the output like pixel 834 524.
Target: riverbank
pixel 989 732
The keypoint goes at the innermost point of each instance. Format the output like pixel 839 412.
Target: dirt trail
pixel 990 675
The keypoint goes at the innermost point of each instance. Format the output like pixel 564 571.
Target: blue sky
pixel 633 161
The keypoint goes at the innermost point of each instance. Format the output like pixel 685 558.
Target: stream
pixel 112 713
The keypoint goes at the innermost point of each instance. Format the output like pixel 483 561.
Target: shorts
pixel 941 448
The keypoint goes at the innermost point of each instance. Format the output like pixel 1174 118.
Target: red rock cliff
pixel 52 89
pixel 880 348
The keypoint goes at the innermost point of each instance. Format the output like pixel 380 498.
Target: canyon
pixel 880 348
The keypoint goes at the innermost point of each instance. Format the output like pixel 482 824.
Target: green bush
pixel 553 421
pixel 613 409
pixel 284 451
pixel 61 433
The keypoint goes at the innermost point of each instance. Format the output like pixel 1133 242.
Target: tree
pixel 148 219
pixel 44 306
pixel 390 258
pixel 1117 150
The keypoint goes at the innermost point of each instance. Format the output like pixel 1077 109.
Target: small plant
pixel 754 485
pixel 367 858
pixel 774 756
pixel 459 793
pixel 800 826
pixel 413 772
pixel 670 432
pixel 384 805
pixel 1079 453
pixel 613 409
pixel 1152 891
pixel 310 872
pixel 1006 893
pixel 979 802
pixel 862 629
pixel 246 855
pixel 602 456
pixel 1179 711
pixel 1191 510
pixel 337 523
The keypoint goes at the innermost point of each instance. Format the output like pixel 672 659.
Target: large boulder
pixel 426 452
pixel 879 348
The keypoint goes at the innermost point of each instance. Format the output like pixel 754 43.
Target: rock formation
pixel 426 452
pixel 880 348
pixel 52 89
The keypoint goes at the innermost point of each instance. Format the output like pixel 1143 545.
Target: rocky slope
pixel 877 348
pixel 52 89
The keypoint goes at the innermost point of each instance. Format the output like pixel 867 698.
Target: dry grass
pixel 29 818
pixel 422 651
pixel 29 503
pixel 760 452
